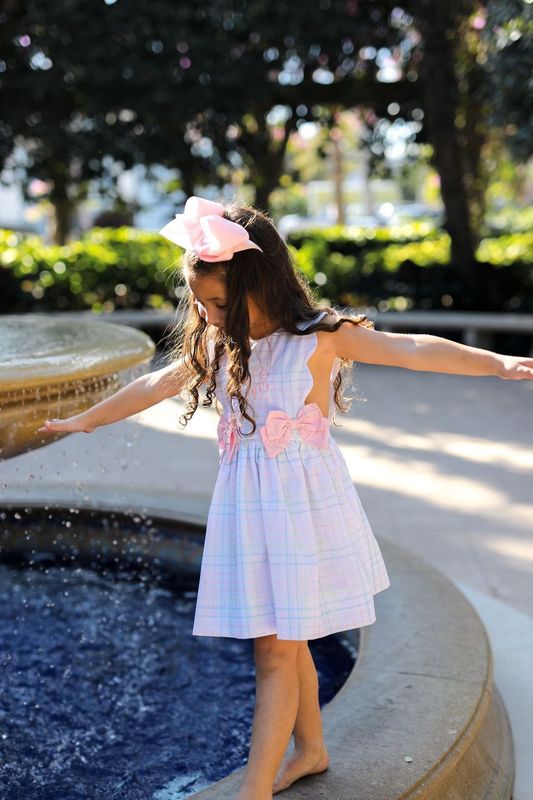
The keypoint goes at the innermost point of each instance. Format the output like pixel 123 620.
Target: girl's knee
pixel 271 652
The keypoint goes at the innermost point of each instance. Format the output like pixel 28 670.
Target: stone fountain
pixel 418 716
pixel 62 567
pixel 55 368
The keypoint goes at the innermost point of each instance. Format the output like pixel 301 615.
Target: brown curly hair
pixel 275 284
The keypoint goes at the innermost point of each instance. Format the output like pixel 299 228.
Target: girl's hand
pixel 69 425
pixel 516 368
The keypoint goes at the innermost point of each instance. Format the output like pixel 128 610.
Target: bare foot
pixel 298 765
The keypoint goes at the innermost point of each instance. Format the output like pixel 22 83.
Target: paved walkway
pixel 443 465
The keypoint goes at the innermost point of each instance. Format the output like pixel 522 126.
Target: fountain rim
pixel 135 347
pixel 402 696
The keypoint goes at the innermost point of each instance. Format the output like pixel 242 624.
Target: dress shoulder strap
pixel 308 322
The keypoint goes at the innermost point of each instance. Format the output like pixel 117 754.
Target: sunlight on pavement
pixel 469 448
pixel 165 417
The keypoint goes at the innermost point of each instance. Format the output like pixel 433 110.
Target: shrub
pixel 405 267
pixel 106 269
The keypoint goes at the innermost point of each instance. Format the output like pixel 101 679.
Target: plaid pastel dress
pixel 288 547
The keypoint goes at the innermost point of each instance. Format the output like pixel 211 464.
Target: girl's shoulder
pixel 324 354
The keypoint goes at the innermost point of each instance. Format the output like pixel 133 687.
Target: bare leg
pixel 276 705
pixel 310 754
pixel 308 733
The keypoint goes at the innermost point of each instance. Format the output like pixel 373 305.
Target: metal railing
pixel 477 328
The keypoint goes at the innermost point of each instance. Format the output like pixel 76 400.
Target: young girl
pixel 289 554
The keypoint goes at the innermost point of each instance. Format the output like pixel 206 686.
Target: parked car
pixel 297 222
pixel 410 211
pixel 384 217
pixel 367 220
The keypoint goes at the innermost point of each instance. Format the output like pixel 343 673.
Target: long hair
pixel 278 288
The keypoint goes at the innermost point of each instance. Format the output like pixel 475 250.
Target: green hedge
pixel 416 274
pixel 108 268
pixel 404 267
pixel 351 237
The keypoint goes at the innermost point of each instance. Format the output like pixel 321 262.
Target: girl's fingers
pixel 518 368
pixel 49 425
pixel 522 371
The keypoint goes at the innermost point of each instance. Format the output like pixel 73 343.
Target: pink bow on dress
pixel 227 436
pixel 203 228
pixel 309 422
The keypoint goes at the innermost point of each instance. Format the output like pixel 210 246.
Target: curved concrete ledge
pixel 52 367
pixel 421 689
pixel 48 350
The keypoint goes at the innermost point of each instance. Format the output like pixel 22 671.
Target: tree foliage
pixel 508 35
pixel 213 90
pixel 188 86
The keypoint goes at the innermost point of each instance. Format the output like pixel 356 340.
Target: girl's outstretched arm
pixel 422 351
pixel 143 392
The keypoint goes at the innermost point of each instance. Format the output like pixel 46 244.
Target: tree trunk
pixel 187 183
pixel 63 212
pixel 267 162
pixel 367 186
pixel 475 137
pixel 338 176
pixel 441 98
pixel 61 202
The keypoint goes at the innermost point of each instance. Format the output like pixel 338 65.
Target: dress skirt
pixel 288 547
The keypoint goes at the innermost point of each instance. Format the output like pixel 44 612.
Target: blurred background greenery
pixel 390 143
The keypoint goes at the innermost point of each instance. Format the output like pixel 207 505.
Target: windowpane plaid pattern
pixel 288 546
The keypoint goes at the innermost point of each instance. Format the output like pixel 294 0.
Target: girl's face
pixel 210 297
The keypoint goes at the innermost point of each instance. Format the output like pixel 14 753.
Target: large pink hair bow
pixel 309 422
pixel 203 228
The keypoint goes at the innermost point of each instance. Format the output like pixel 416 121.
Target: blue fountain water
pixel 106 694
